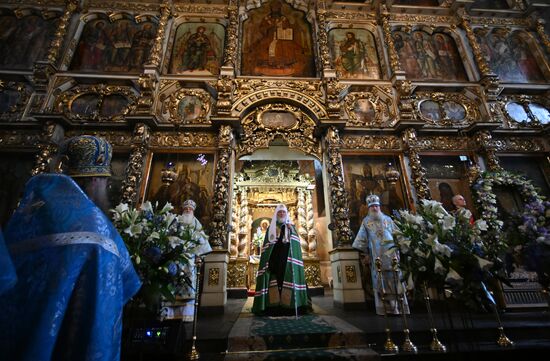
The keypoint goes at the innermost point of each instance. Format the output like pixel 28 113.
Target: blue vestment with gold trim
pixel 74 277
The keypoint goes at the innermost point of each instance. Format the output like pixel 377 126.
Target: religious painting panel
pixel 198 49
pixel 540 112
pixel 426 56
pixel 185 106
pixel 534 168
pixel 24 40
pixel 119 46
pixel 354 54
pixel 277 42
pixel 113 105
pixel 189 108
pixel 430 110
pixel 373 174
pixel 447 177
pixel 15 171
pixel 510 55
pixel 85 105
pixel 176 177
pixel 14 97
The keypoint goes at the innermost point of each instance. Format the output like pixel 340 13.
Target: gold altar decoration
pixel 371 142
pixel 232 40
pixel 376 101
pixel 267 122
pixel 322 38
pixel 338 195
pixel 57 41
pixel 237 272
pixel 172 106
pixel 444 143
pixel 155 55
pixel 312 271
pixel 351 274
pixel 410 141
pixel 539 27
pixel 471 112
pixel 220 201
pixel 484 139
pixel 520 145
pixel 136 164
pixel 214 276
pixel 64 102
pixel 15 111
pixel 48 147
pixel 166 139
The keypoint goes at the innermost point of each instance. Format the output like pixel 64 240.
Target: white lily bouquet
pixel 444 250
pixel 160 246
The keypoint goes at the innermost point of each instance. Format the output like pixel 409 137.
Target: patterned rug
pixel 308 337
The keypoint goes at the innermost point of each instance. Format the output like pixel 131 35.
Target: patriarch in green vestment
pixel 280 281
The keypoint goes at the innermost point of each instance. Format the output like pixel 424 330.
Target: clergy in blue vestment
pixel 7 272
pixel 74 271
pixel 375 240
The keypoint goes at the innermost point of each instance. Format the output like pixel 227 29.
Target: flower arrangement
pixel 488 208
pixel 160 246
pixel 529 238
pixel 444 250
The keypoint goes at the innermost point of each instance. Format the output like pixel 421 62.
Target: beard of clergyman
pixel 187 218
pixel 375 214
pixel 96 189
pixel 281 220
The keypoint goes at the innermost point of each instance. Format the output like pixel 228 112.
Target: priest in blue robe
pixel 74 271
pixel 7 272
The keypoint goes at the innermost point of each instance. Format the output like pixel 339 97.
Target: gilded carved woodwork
pixel 19 138
pixel 309 94
pixel 487 147
pixel 520 145
pixel 57 41
pixel 64 102
pixel 310 226
pixel 267 122
pixel 302 221
pixel 225 86
pixel 428 20
pixel 183 139
pixel 244 223
pixel 147 83
pixel 499 21
pixel 338 195
pixel 200 9
pixel 123 5
pixel 395 66
pixel 342 14
pixel 155 55
pixel 221 199
pixel 48 147
pixel 135 168
pixel 312 273
pixel 446 143
pixel 539 27
pixel 418 172
pixel 322 39
pixel 171 109
pixel 371 142
pixel 333 91
pixel 22 91
pixel 117 138
pixel 481 62
pixel 351 274
pixel 382 104
pixel 236 274
pixel 213 276
pixel 234 234
pixel 471 111
pixel 231 35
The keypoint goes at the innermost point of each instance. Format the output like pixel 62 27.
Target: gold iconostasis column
pixel 136 164
pixel 418 172
pixel 488 149
pixel 52 136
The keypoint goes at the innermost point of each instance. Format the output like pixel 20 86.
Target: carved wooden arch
pixel 295 126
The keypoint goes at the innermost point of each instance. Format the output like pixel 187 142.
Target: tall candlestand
pixel 435 345
pixel 408 346
pixel 389 345
pixel 502 340
pixel 194 354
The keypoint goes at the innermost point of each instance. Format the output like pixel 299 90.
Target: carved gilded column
pixel 222 183
pixel 232 39
pixel 539 26
pixel 482 64
pixel 57 41
pixel 155 55
pixel 311 236
pixel 48 147
pixel 135 168
pixel 487 147
pixel 243 223
pixel 395 66
pixel 302 225
pixel 418 172
pixel 234 235
pixel 338 194
pixel 322 38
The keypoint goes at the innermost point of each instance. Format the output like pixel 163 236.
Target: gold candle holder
pixel 503 340
pixel 435 345
pixel 408 345
pixel 389 345
pixel 194 354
